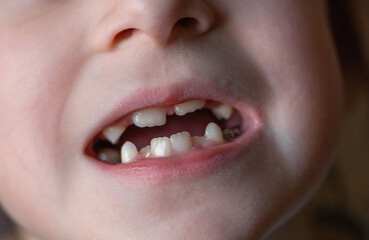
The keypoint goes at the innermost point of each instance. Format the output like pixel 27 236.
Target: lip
pixel 194 163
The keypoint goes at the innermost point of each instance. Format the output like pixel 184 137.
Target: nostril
pixel 187 22
pixel 187 26
pixel 123 35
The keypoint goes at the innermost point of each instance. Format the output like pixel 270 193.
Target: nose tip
pixel 160 20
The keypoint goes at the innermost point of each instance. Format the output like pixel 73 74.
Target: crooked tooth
pixel 181 142
pixel 109 155
pixel 222 111
pixel 146 151
pixel 149 117
pixel 112 134
pixel 189 106
pixel 161 147
pixel 128 152
pixel 214 133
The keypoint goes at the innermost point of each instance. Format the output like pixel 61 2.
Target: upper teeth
pixel 112 134
pixel 149 117
pixel 152 117
pixel 187 107
pixel 222 111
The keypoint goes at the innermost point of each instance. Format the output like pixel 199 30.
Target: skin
pixel 64 64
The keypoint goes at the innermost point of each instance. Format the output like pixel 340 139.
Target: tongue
pixel 194 123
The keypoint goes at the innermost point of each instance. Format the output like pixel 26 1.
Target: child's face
pixel 66 74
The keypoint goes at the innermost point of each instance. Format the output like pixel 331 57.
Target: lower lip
pixel 194 163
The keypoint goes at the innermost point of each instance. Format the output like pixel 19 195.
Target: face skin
pixel 66 64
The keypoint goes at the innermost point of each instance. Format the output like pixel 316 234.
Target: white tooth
pixel 109 155
pixel 161 147
pixel 214 133
pixel 128 152
pixel 187 107
pixel 196 140
pixel 222 111
pixel 112 134
pixel 149 117
pixel 181 142
pixel 146 151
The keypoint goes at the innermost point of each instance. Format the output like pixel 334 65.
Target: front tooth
pixel 109 155
pixel 187 107
pixel 214 133
pixel 181 142
pixel 149 117
pixel 161 147
pixel 128 152
pixel 222 111
pixel 112 134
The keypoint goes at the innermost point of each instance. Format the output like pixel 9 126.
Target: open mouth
pixel 169 132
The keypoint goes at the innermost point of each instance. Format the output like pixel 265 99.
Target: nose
pixel 160 20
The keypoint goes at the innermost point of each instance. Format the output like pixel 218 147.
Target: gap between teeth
pixel 178 143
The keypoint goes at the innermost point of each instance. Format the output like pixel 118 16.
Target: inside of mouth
pixel 195 123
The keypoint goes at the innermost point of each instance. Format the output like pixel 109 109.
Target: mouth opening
pixel 167 131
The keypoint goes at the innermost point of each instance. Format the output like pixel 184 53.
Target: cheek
pixel 298 59
pixel 33 83
pixel 303 103
pixel 306 104
pixel 305 130
pixel 36 72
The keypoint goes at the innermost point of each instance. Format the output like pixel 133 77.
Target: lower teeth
pixel 179 143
